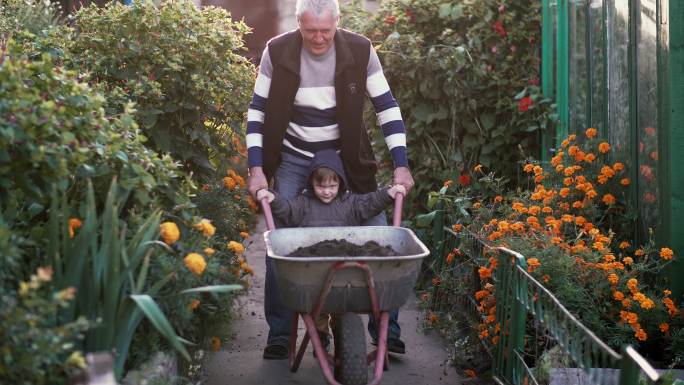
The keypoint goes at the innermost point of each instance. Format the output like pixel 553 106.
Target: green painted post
pixel 546 70
pixel 629 370
pixel 518 316
pixel 673 127
pixel 562 68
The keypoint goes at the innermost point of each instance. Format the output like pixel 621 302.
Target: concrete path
pixel 239 361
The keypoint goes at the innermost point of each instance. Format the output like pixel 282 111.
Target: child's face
pixel 326 190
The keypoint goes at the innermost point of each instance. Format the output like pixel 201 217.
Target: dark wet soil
pixel 340 247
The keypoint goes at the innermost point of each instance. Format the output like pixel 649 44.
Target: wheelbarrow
pixel 344 286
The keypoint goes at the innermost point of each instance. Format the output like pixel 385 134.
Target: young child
pixel 327 202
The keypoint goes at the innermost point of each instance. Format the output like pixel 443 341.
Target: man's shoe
pixel 275 352
pixel 394 345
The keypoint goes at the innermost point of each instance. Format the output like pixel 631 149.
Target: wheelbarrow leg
pixel 321 354
pixel 381 358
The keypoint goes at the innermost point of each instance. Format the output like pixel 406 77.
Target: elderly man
pixel 309 96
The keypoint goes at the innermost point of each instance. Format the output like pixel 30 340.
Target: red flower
pixel 390 20
pixel 410 15
pixel 464 179
pixel 524 104
pixel 499 28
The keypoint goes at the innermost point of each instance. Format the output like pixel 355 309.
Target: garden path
pixel 239 361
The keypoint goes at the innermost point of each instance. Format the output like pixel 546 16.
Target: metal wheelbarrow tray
pixel 301 280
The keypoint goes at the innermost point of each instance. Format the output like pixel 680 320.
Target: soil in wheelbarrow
pixel 341 247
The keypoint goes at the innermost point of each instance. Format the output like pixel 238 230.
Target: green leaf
pixel 424 220
pixel 444 10
pixel 160 322
pixel 488 121
pixel 213 289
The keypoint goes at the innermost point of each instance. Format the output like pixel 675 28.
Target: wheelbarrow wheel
pixel 351 367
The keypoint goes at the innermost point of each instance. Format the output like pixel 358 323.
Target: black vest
pixel 351 71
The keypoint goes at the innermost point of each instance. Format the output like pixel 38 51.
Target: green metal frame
pixel 519 296
pixel 672 127
pixel 547 80
pixel 563 71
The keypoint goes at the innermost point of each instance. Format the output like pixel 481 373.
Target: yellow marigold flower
pixel 613 278
pixel 209 251
pixel 529 167
pixel 664 327
pixel 244 234
pixel 608 199
pixel 618 295
pixel 229 182
pixel 604 147
pixel 590 132
pixel 194 304
pixel 76 360
pixel 589 157
pixel 236 247
pixel 666 253
pixel 74 223
pixel 169 232
pixel 478 168
pixel 205 227
pixel 195 263
pixel 627 260
pixel 215 344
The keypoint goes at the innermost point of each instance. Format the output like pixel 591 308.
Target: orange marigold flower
pixel 476 205
pixel 577 204
pixel 470 373
pixel 546 278
pixel 589 157
pixel 484 272
pixel 457 227
pixel 194 304
pixel 529 167
pixel 602 179
pixel 618 295
pixel 547 210
pixel 632 284
pixel 666 253
pixel 627 260
pixel 608 199
pixel 498 198
pixel 667 292
pixel 481 294
pixel 650 131
pixel 590 132
pixel 573 150
pixel 240 180
pixel 618 166
pixel 625 181
pixel 624 245
pixel 436 281
pixel 613 278
pixel 215 344
pixel 74 223
pixel 448 183
pixel 654 155
pixel 568 181
pixel 627 303
pixel 538 170
pixel 639 252
pixel 641 335
pixel 664 327
pixel 532 264
pixel 229 182
pixel 604 147
pixel 244 234
pixel 450 257
pixel 478 168
pixel 560 168
pixel 647 304
pixel 572 137
pixel 591 194
pixel 564 192
pixel 538 178
pixel 569 171
pixel 565 143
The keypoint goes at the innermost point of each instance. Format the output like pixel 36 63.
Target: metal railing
pixel 539 338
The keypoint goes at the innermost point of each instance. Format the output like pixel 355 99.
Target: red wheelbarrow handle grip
pixel 267 213
pixel 398 206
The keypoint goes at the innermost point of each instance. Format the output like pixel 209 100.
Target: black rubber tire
pixel 351 367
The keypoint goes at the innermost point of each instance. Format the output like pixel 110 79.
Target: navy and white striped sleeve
pixel 256 111
pixel 387 111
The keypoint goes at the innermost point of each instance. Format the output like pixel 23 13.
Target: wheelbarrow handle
pixel 268 215
pixel 398 206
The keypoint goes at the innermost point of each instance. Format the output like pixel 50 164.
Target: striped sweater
pixel 313 124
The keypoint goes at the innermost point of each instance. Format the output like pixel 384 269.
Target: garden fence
pixel 540 341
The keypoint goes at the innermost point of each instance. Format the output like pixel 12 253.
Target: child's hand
pixel 263 193
pixel 397 188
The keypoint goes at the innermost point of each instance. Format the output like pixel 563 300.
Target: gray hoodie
pixel 347 209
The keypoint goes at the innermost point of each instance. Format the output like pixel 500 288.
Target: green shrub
pixel 36 347
pixel 460 71
pixel 180 65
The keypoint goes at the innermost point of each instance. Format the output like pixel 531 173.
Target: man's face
pixel 318 32
pixel 326 190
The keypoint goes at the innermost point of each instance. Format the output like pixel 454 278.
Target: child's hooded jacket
pixel 347 209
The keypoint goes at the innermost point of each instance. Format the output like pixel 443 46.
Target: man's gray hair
pixel 317 7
